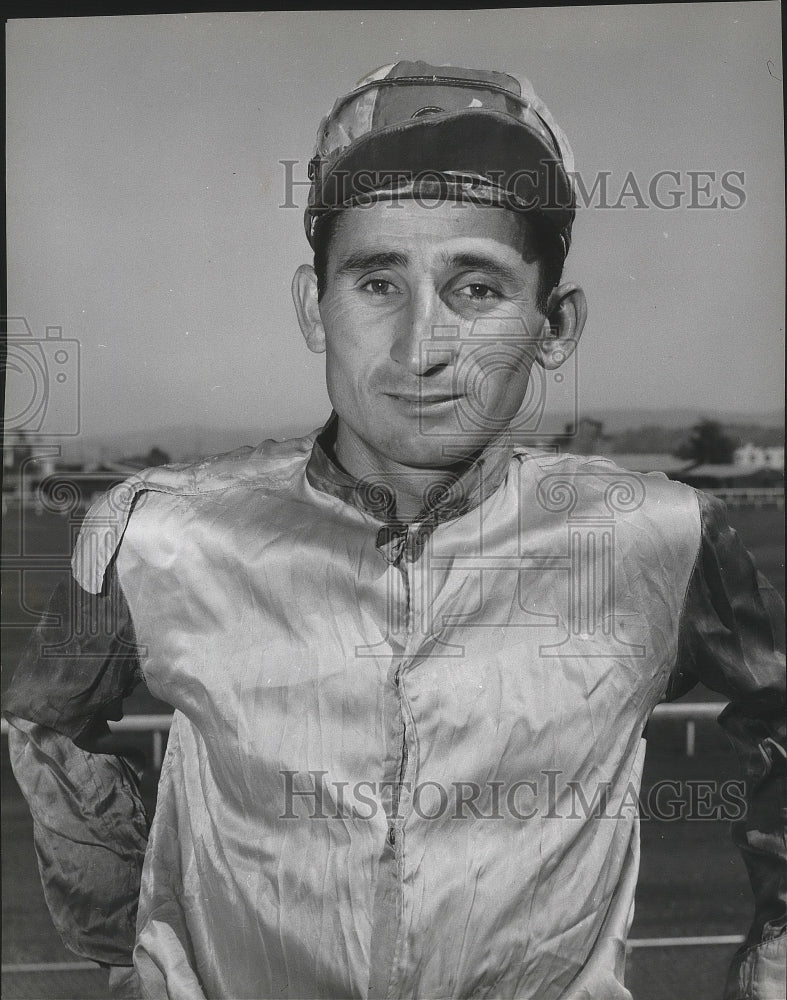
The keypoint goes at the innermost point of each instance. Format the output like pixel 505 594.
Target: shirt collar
pixel 443 502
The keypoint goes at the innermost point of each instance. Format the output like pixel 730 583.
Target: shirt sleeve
pixel 89 822
pixel 732 639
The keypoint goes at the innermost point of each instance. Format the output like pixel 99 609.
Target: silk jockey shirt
pixel 405 757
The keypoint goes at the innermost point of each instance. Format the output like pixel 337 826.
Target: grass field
pixel 692 882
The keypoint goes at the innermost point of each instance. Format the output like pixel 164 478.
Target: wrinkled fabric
pixel 265 679
pixel 90 832
pixel 730 639
pixel 520 644
pixel 80 663
pixel 278 632
pixel 759 973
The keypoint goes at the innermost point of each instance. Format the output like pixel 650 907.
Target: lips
pixel 423 398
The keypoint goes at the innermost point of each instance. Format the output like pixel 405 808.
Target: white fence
pixel 750 496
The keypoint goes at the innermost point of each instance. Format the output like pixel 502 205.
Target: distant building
pixel 32 474
pixel 588 438
pixel 751 456
pixel 24 460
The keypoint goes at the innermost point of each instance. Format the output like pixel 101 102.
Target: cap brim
pixel 481 143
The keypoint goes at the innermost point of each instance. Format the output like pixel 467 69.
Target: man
pixel 411 661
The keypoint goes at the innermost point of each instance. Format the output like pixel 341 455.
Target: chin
pixel 435 452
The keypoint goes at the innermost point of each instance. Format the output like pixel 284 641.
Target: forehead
pixel 421 230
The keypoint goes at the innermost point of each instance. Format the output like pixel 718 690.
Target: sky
pixel 146 203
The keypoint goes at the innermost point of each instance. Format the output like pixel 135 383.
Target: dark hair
pixel 540 243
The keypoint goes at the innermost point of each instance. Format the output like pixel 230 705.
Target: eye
pixel 378 286
pixel 478 292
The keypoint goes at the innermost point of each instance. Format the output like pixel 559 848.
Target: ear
pixel 304 295
pixel 567 311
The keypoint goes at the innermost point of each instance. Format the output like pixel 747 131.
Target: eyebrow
pixel 480 262
pixel 372 261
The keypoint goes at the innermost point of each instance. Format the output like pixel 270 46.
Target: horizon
pixel 191 441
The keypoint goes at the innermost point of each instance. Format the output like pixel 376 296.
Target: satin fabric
pixel 522 644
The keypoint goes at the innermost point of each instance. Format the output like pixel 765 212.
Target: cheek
pixel 341 378
pixel 349 367
pixel 494 375
pixel 343 346
pixel 357 347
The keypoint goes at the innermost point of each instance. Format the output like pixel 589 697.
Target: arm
pixel 732 639
pixel 90 826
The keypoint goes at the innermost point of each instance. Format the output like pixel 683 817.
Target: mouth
pixel 424 399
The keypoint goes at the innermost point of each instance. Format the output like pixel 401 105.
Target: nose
pixel 419 345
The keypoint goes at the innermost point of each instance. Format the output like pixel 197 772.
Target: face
pixel 430 326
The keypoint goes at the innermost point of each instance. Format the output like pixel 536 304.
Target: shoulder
pixel 587 479
pixel 647 519
pixel 270 464
pixel 269 461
